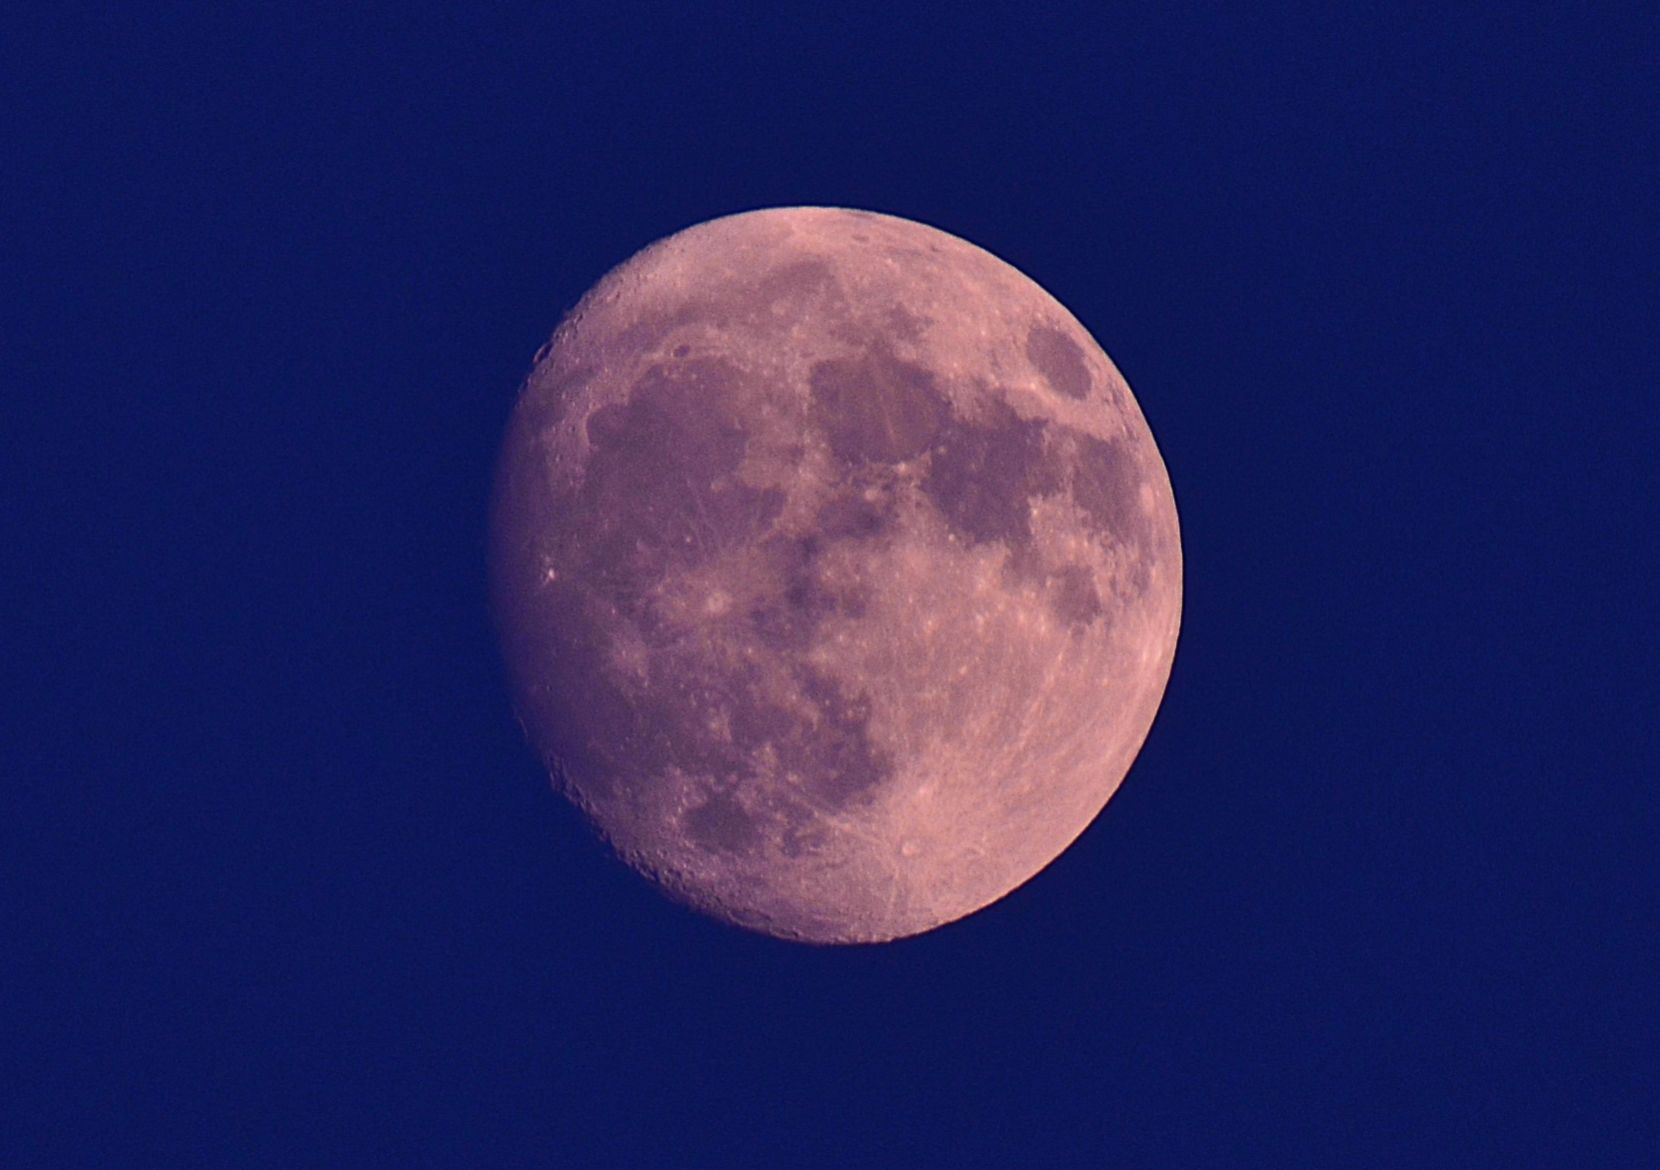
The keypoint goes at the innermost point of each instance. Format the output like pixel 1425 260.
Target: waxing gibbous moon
pixel 836 570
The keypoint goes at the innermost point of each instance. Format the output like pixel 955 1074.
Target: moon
pixel 836 571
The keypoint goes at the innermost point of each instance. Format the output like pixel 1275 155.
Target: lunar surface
pixel 836 570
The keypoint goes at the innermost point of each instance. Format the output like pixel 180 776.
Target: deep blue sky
pixel 288 889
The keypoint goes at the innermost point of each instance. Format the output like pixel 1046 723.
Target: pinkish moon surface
pixel 836 570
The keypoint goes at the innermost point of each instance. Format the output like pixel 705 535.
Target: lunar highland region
pixel 836 570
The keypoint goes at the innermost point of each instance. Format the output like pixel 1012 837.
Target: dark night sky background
pixel 286 886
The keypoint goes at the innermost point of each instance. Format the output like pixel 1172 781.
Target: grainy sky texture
pixel 287 887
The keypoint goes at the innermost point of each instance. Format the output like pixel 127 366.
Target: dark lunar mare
pixel 875 407
pixel 982 475
pixel 660 491
pixel 1060 361
pixel 659 499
